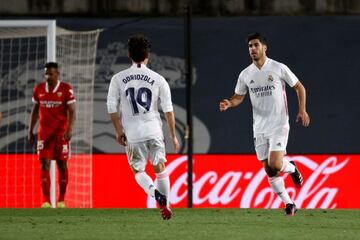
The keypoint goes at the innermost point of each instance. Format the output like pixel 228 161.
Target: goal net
pixel 23 54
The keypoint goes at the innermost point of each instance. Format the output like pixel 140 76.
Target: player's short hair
pixel 52 65
pixel 139 47
pixel 258 36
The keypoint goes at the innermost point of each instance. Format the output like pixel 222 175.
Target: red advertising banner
pixel 227 181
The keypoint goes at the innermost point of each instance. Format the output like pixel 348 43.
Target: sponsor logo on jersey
pixel 263 91
pixel 50 104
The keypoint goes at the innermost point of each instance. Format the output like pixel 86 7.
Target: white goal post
pixel 50 26
pixel 42 41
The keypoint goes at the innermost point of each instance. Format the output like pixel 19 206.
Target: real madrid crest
pixel 270 78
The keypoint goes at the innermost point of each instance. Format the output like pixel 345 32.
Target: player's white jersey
pixel 139 91
pixel 266 88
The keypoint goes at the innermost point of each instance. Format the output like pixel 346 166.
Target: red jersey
pixel 53 106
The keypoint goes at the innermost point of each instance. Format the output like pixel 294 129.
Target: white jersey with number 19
pixel 139 90
pixel 266 88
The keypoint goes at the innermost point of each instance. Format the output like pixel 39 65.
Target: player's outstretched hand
pixel 224 105
pixel 303 118
pixel 68 134
pixel 121 138
pixel 31 138
pixel 176 144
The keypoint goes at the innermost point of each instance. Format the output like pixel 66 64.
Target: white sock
pixel 163 184
pixel 278 186
pixel 287 167
pixel 145 182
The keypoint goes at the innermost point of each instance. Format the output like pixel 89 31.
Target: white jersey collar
pixel 265 63
pixel 55 88
pixel 135 65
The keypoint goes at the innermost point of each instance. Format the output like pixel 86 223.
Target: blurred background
pixel 316 39
pixel 156 8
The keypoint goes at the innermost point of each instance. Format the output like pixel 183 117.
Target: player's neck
pixel 260 62
pixel 51 82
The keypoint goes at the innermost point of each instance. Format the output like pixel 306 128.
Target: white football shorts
pixel 139 153
pixel 265 144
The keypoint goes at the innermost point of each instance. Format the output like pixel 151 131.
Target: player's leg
pixel 63 181
pixel 45 150
pixel 62 156
pixel 271 166
pixel 278 145
pixel 45 181
pixel 276 161
pixel 137 156
pixel 158 159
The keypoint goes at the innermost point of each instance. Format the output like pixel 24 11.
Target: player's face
pixel 257 50
pixel 51 74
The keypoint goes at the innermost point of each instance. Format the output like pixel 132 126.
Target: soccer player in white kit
pixel 139 90
pixel 265 81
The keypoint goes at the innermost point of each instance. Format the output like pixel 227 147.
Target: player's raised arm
pixel 302 116
pixel 33 120
pixel 234 101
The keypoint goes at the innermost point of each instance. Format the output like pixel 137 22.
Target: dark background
pixel 321 51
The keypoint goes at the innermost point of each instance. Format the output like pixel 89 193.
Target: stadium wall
pixel 225 181
pixel 321 51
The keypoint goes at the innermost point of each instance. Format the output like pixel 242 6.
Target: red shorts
pixel 53 147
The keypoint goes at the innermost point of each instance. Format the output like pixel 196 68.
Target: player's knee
pixel 45 164
pixel 62 165
pixel 274 166
pixel 271 172
pixel 160 167
pixel 134 170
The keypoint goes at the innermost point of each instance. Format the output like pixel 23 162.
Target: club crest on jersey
pixel 65 148
pixel 59 94
pixel 270 78
pixel 252 81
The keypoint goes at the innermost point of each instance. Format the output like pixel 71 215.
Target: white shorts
pixel 264 144
pixel 139 153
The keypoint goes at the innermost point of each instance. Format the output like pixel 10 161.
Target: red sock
pixel 45 184
pixel 63 181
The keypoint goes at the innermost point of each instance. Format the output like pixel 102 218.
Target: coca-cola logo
pixel 250 189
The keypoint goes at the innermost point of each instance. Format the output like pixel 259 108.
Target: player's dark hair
pixel 52 65
pixel 258 36
pixel 139 47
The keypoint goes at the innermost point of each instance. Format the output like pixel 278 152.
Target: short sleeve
pixel 69 96
pixel 165 97
pixel 288 76
pixel 241 88
pixel 112 100
pixel 35 97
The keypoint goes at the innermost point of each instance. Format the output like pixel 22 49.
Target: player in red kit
pixel 54 106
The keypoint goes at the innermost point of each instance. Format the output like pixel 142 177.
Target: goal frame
pixel 50 26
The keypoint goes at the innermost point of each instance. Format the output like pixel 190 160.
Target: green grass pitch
pixel 194 224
